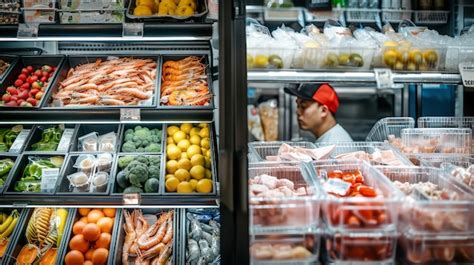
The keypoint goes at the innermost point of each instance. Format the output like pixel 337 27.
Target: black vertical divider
pixel 233 133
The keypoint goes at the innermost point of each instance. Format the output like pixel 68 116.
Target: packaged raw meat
pixel 284 248
pixel 436 140
pixel 269 150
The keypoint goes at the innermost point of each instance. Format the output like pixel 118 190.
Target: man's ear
pixel 324 111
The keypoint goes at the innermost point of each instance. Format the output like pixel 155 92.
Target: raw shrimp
pixel 165 254
pixel 154 234
pixel 152 252
pixel 130 235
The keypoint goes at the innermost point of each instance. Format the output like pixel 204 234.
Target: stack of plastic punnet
pixel 436 140
pixel 436 220
pixel 284 214
pixel 359 212
pixel 266 151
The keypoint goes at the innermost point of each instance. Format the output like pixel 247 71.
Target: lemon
pixel 142 11
pixel 261 61
pixel 184 144
pixel 204 186
pixel 171 166
pixel 194 131
pixel 149 3
pixel 193 183
pixel 170 5
pixel 171 130
pixel 184 163
pixel 171 184
pixel 208 174
pixel 178 136
pixel 182 174
pixel 203 125
pixel 193 150
pixel 170 140
pixel 208 162
pixel 173 152
pixel 205 143
pixel 390 43
pixel 185 187
pixel 195 139
pixel 184 155
pixel 184 11
pixel 204 132
pixel 197 172
pixel 186 127
pixel 189 3
pixel 208 154
pixel 198 159
pixel 169 176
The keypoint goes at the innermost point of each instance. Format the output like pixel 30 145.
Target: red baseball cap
pixel 324 94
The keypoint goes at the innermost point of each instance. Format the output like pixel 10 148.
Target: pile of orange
pixel 92 234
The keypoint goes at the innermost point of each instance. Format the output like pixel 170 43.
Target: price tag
pixel 467 73
pixel 131 198
pixel 65 141
pixel 29 30
pixel 130 115
pixel 337 186
pixel 19 141
pixel 384 78
pixel 49 177
pixel 132 30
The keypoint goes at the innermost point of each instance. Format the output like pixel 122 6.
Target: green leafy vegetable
pixel 50 138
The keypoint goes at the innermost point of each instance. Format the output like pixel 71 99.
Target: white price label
pixel 65 141
pixel 49 177
pixel 132 30
pixel 384 78
pixel 19 141
pixel 467 73
pixel 29 30
pixel 337 186
pixel 129 115
pixel 131 198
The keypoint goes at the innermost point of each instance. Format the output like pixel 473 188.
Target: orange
pixel 74 257
pixel 106 224
pixel 109 212
pixel 94 216
pixel 89 253
pixel 103 241
pixel 91 232
pixel 100 256
pixel 84 219
pixel 87 262
pixel 79 243
pixel 78 226
pixel 84 211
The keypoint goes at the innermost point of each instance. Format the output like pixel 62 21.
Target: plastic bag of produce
pixel 86 164
pixel 50 138
pixel 40 175
pixel 88 142
pixel 104 162
pixel 100 181
pixel 107 142
pixel 79 182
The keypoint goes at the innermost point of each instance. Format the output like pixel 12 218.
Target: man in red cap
pixel 316 109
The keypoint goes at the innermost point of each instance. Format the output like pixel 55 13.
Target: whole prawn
pixel 154 234
pixel 130 235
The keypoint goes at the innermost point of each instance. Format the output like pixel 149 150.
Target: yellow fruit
pixel 203 150
pixel 172 184
pixel 204 186
pixel 157 2
pixel 184 11
pixel 204 132
pixel 390 43
pixel 166 4
pixel 178 136
pixel 195 139
pixel 171 166
pixel 205 143
pixel 198 160
pixel 197 172
pixel 172 130
pixel 208 162
pixel 203 125
pixel 184 163
pixel 261 61
pixel 149 3
pixel 208 174
pixel 184 155
pixel 170 140
pixel 182 174
pixel 186 127
pixel 415 56
pixel 169 176
pixel 185 187
pixel 173 152
pixel 194 131
pixel 208 154
pixel 193 183
pixel 193 150
pixel 184 144
pixel 142 11
pixel 390 57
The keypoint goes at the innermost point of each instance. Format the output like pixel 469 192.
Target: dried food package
pixel 269 114
pixel 254 123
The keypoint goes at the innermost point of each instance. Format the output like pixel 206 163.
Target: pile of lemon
pixel 188 154
pixel 165 7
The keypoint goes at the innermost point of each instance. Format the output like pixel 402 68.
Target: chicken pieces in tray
pixel 114 82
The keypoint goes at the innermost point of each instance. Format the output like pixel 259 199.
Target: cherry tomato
pixel 14 98
pixel 12 91
pixel 45 74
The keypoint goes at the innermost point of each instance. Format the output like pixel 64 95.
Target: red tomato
pixel 34 91
pixel 25 71
pixel 19 101
pixel 12 90
pixel 22 77
pixel 30 68
pixel 23 95
pixel 6 97
pixel 43 79
pixel 33 78
pixel 38 73
pixel 18 83
pixel 25 86
pixel 45 74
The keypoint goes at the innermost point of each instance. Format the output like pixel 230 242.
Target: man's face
pixel 309 114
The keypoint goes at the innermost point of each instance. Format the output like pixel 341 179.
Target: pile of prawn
pixel 147 244
pixel 184 83
pixel 120 81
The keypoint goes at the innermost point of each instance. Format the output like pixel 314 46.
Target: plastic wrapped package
pixel 435 202
pixel 100 181
pixel 101 4
pixel 254 123
pixel 265 150
pixel 39 15
pixel 86 164
pixel 268 111
pixel 89 142
pixel 91 16
pixel 107 142
pixel 284 249
pixel 79 181
pixel 104 162
pixel 9 12
pixel 436 140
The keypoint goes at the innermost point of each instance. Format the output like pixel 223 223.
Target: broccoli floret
pixel 142 159
pixel 154 172
pixel 129 131
pixel 137 174
pixel 135 138
pixel 145 143
pixel 142 134
pixel 128 147
pixel 155 139
pixel 138 127
pixel 137 143
pixel 149 138
pixel 154 160
pixel 125 160
pixel 153 147
pixel 140 149
pixel 128 137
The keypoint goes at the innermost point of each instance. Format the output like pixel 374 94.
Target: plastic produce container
pixel 436 140
pixel 20 140
pixel 39 3
pixel 284 249
pixel 444 210
pixel 360 248
pixel 393 15
pixel 360 213
pixel 288 213
pixel 262 150
pixel 9 13
pixel 431 17
pixel 39 15
pixel 409 58
pixel 446 122
pixel 355 58
pixel 370 148
pixel 200 12
pixel 420 248
pixel 103 142
pixel 386 127
pixel 270 58
pixel 94 5
pixel 362 15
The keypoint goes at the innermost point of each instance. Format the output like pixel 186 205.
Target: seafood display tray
pixel 36 62
pixel 12 60
pixel 207 62
pixel 260 150
pixel 73 61
pixel 200 3
pixel 213 166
